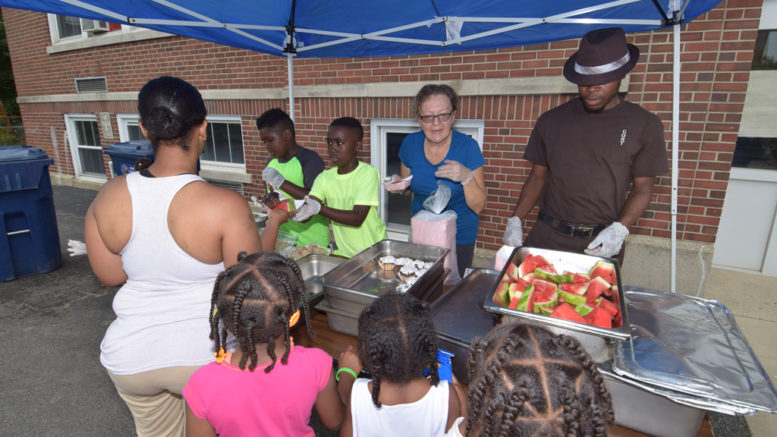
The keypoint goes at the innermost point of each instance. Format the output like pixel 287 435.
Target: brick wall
pixel 716 54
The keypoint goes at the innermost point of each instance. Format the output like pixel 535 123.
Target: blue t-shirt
pixel 464 150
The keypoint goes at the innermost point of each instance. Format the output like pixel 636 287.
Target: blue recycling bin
pixel 125 155
pixel 29 238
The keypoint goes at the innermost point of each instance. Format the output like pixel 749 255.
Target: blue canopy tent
pixel 350 28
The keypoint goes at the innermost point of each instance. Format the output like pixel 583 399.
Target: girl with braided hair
pixel 397 343
pixel 526 381
pixel 248 391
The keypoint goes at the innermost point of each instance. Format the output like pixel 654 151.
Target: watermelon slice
pixel 572 298
pixel 578 289
pixel 502 295
pixel 516 289
pixel 596 288
pixel 609 307
pixel 525 302
pixel 604 270
pixel 514 302
pixel 581 278
pixel 530 277
pixel 545 297
pixel 512 271
pixel 548 272
pixel 567 312
pixel 599 317
pixel 583 309
pixel 531 262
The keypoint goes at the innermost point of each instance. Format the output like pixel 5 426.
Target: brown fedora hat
pixel 604 56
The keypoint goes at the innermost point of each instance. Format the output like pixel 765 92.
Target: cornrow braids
pixel 397 341
pixel 254 300
pixel 525 381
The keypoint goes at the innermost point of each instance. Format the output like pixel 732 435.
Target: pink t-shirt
pixel 240 402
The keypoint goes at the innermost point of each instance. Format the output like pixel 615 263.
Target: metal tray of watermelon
pixel 571 262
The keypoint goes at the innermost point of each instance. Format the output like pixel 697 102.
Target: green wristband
pixel 346 370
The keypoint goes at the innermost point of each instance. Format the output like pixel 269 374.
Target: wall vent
pixel 235 186
pixel 92 85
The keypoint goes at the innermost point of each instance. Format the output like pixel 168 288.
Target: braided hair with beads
pixel 526 381
pixel 397 341
pixel 254 300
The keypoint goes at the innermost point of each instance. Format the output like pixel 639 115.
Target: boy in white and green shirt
pixel 348 193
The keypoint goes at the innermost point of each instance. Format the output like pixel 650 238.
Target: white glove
pixel 272 177
pixel 308 209
pixel 609 242
pixel 514 232
pixel 260 205
pixel 76 247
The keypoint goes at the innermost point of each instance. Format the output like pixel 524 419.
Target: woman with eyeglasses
pixel 438 152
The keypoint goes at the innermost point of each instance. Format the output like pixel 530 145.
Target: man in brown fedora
pixel 593 158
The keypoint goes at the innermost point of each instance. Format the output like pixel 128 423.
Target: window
pixel 759 153
pixel 129 129
pixel 765 57
pixel 84 138
pixel 65 28
pixel 224 147
pixel 386 136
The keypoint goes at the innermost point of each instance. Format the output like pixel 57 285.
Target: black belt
pixel 580 231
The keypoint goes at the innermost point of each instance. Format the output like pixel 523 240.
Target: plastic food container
pixel 598 342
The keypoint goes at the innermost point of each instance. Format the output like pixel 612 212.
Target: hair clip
pixel 294 318
pixel 221 355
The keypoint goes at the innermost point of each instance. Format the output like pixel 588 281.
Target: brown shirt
pixel 592 158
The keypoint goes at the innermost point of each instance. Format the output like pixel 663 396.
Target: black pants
pixel 464 254
pixel 543 236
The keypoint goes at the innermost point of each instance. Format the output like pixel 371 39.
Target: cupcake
pixel 387 263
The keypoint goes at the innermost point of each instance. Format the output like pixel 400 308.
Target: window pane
pixel 236 143
pixel 91 161
pixel 68 26
pixel 765 57
pixel 86 133
pixel 398 206
pixel 133 132
pixel 756 153
pixel 224 144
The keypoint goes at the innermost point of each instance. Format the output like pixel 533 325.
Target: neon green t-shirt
pixel 301 170
pixel 343 191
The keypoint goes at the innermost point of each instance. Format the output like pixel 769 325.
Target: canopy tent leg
pixel 290 68
pixel 675 150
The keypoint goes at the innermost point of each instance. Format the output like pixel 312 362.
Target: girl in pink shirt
pixel 248 392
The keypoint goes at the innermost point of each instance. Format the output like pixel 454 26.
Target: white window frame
pixel 54 31
pixel 226 167
pixel 379 127
pixel 123 121
pixel 72 137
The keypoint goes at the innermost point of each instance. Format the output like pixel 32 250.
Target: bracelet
pixel 346 370
pixel 466 181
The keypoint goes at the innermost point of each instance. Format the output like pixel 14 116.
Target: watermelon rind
pixel 503 293
pixel 583 309
pixel 559 278
pixel 572 298
pixel 523 302
pixel 603 269
pixel 546 306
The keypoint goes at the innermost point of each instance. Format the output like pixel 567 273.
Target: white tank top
pixel 424 417
pixel 162 309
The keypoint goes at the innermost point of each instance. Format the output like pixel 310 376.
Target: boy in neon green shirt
pixel 291 171
pixel 348 193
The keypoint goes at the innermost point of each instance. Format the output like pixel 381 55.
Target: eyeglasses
pixel 439 117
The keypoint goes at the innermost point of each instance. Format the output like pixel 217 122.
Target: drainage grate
pixel 91 85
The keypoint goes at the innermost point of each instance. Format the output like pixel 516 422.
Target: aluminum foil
pixel 692 346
